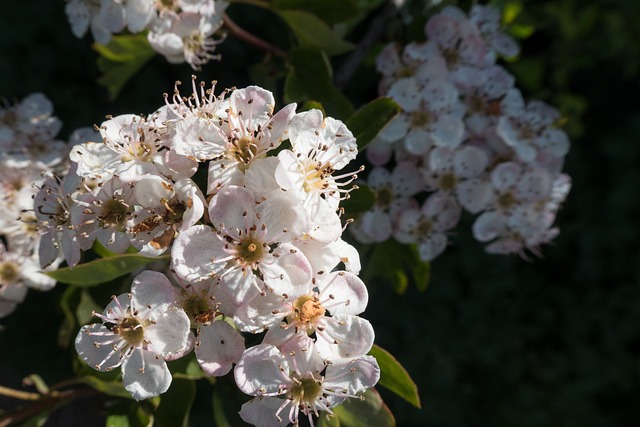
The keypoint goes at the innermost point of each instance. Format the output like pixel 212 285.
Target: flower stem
pixel 18 394
pixel 242 34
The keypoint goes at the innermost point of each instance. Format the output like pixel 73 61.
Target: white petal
pixel 97 350
pixel 344 336
pixel 152 290
pixel 145 375
pixel 170 332
pixel 219 347
pixel 261 370
pixel 348 294
pixel 262 412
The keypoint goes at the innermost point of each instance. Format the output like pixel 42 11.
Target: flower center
pixel 114 213
pixel 506 201
pixel 130 329
pixel 305 391
pixel 9 271
pixel 425 226
pixel 384 197
pixel 244 150
pixel 250 250
pixel 307 309
pixel 198 309
pixel 420 119
pixel 448 181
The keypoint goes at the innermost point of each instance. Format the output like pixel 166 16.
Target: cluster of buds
pixel 257 248
pixel 465 139
pixel 29 152
pixel 181 30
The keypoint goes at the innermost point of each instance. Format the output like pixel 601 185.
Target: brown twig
pixel 43 403
pixel 242 34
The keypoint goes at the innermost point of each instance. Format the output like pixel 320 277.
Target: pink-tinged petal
pixel 432 246
pixel 151 189
pixel 175 166
pixel 241 285
pixel 223 172
pixel 278 128
pixel 488 226
pixel 505 176
pixel 447 131
pixel 408 222
pixel 379 178
pixel 47 250
pixel 289 270
pixel 262 412
pixel 474 194
pixel 470 161
pixel 285 217
pixel 407 93
pixel 344 336
pixel 198 138
pixel 227 208
pixel 261 370
pixel 265 311
pixel 375 224
pixel 279 336
pixel 219 346
pixel 302 130
pixel 145 375
pixel 260 177
pixel 418 141
pixel 554 141
pixel 396 129
pixel 356 375
pixel 191 343
pixel 192 252
pixel 94 159
pixel 345 292
pixel 406 179
pixel 170 332
pixel 254 104
pixel 95 345
pixel 152 290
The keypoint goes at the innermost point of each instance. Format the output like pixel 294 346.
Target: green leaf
pixel 312 32
pixel 105 383
pixel 330 11
pixel 360 200
pixel 176 403
pixel 400 282
pixel 328 421
pixel 422 275
pixel 101 270
pixel 369 120
pixel 67 330
pixel 121 59
pixel 394 377
pixel 226 403
pixel 187 368
pixel 309 79
pixel 85 307
pixel 37 421
pixel 370 412
pixel 117 420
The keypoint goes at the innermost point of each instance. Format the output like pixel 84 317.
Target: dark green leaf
pixel 105 383
pixel 309 79
pixel 331 11
pixel 101 270
pixel 37 421
pixel 67 330
pixel 176 404
pixel 226 404
pixel 394 377
pixel 359 200
pixel 400 282
pixel 370 412
pixel 369 120
pixel 117 420
pixel 422 274
pixel 121 59
pixel 187 367
pixel 311 32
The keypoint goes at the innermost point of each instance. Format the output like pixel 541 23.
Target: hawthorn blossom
pixel 301 384
pixel 138 331
pixel 320 146
pixel 247 248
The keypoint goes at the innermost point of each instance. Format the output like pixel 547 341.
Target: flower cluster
pixel 29 155
pixel 256 248
pixel 181 30
pixel 467 139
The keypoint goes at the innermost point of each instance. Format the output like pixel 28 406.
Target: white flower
pixel 302 384
pixel 139 330
pixel 244 249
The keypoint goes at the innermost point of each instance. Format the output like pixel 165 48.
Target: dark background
pixel 494 341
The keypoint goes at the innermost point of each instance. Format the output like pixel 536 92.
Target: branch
pixel 345 73
pixel 242 34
